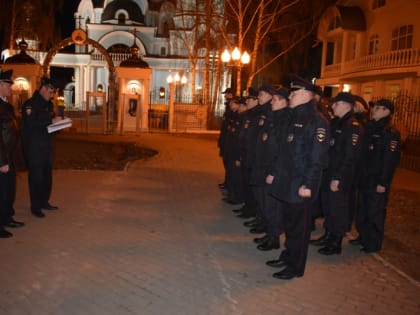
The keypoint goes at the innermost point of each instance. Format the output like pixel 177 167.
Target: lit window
pixel 378 3
pixel 402 37
pixel 373 44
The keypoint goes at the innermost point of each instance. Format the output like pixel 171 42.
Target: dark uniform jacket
pixel 223 129
pixel 344 151
pixel 9 132
pixel 249 122
pixel 267 146
pixel 37 114
pixel 303 155
pixel 257 121
pixel 380 154
pixel 231 143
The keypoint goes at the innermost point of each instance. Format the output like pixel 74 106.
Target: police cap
pixel 298 83
pixel 344 97
pixel 385 103
pixel 6 76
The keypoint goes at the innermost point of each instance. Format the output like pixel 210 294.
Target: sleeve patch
pixel 393 145
pixel 321 134
pixel 354 139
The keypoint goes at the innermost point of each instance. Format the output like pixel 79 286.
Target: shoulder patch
pixel 354 139
pixel 264 136
pixel 28 110
pixel 321 134
pixel 393 145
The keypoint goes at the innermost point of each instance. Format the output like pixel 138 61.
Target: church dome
pixel 117 10
pixel 134 61
pixel 22 57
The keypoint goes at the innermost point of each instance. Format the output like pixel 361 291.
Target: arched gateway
pixel 79 37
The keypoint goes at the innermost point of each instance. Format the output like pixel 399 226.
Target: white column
pixel 171 107
pixel 324 57
pixel 145 106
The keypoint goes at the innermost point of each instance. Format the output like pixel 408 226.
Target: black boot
pixel 262 239
pixel 258 229
pixel 271 243
pixel 322 241
pixel 333 246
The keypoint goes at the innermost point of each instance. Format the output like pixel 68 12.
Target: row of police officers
pixel 287 161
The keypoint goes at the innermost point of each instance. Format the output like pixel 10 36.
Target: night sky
pixel 66 20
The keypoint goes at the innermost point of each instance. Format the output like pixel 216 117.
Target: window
pixel 373 44
pixel 163 51
pixel 121 18
pixel 378 3
pixel 402 37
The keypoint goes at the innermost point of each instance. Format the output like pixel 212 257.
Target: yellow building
pixel 371 48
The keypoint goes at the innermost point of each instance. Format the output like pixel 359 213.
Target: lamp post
pixel 236 60
pixel 173 81
pixel 176 80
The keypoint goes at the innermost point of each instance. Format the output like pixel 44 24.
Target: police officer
pixel 299 166
pixel 228 94
pixel 381 153
pixel 37 114
pixel 249 116
pixel 231 154
pixel 337 183
pixel 266 154
pixel 8 143
pixel 256 118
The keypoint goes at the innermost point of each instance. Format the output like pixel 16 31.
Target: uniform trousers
pixel 336 211
pixel 370 219
pixel 250 200
pixel 7 195
pixel 268 211
pixel 40 183
pixel 296 223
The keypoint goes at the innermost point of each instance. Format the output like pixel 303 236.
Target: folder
pixel 64 123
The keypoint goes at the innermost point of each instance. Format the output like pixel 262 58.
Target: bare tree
pixel 21 17
pixel 195 28
pixel 283 23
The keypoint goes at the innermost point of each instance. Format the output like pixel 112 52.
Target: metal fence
pixel 407 119
pixel 407 115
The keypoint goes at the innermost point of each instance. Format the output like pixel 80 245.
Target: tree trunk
pixel 12 29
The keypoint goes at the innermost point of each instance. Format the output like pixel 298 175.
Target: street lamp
pixel 176 80
pixel 173 81
pixel 236 60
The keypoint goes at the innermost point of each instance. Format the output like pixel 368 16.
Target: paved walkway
pixel 156 240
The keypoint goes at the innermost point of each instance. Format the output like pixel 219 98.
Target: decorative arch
pixel 111 69
pixel 121 37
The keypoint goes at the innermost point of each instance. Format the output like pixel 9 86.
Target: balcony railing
pixel 116 57
pixel 392 59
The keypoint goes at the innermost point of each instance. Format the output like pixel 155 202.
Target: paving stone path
pixel 156 239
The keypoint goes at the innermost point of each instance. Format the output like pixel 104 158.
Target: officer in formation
pixel 337 181
pixel 228 94
pixel 37 114
pixel 381 151
pixel 8 146
pixel 295 155
pixel 267 149
pixel 233 183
